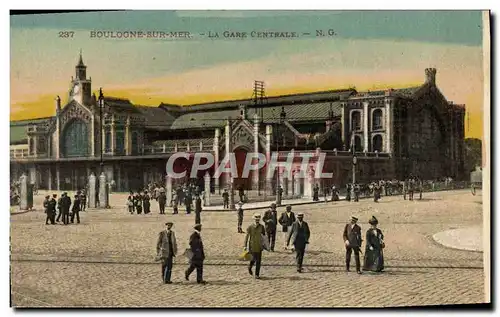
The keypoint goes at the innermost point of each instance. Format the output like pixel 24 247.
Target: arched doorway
pixel 75 141
pixel 377 143
pixel 246 182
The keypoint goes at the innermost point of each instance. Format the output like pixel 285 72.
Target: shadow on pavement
pixel 222 282
pixel 290 278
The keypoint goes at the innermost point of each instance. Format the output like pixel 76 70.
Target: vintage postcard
pixel 249 159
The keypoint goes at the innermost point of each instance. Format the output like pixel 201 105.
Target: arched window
pixel 377 119
pixel 357 144
pixel 377 143
pixel 356 120
pixel 75 141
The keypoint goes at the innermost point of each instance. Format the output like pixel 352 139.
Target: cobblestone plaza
pixel 108 259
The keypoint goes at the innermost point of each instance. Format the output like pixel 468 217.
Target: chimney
pixel 430 76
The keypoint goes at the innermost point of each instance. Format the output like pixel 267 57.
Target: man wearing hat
pixel 166 249
pixel 52 209
pixel 253 243
pixel 271 220
pixel 65 206
pixel 197 209
pixel 299 237
pixel 197 257
pixel 352 241
pixel 240 216
pixel 47 210
pixel 286 220
pixel 75 211
pixel 162 201
pixel 225 199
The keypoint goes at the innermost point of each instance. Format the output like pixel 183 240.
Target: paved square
pixel 108 259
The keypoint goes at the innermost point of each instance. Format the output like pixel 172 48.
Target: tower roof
pixel 80 61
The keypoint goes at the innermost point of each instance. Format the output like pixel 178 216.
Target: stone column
pixel 269 133
pixel 49 177
pixel 388 126
pixel 92 194
pixel 32 175
pixel 297 182
pixel 23 192
pixel 103 191
pixel 255 174
pixel 35 145
pixel 207 189
pixel 58 178
pixel 128 146
pixel 227 176
pixel 345 124
pixel 216 157
pixel 168 190
pixel 92 135
pixel 309 183
pixel 113 134
pixel 366 126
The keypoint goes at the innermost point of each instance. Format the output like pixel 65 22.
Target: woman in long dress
pixel 374 255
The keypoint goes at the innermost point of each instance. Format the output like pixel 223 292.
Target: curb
pixel 20 212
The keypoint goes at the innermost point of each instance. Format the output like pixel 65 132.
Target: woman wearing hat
pixel 166 249
pixel 374 255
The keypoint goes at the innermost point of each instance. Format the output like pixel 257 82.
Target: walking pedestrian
pixel 240 217
pixel 197 255
pixel 352 241
pixel 271 221
pixel 146 203
pixel 374 255
pixel 253 244
pixel 197 209
pixel 162 201
pixel 166 249
pixel 299 237
pixel 46 208
pixel 286 220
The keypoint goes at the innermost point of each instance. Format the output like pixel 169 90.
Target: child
pixel 130 204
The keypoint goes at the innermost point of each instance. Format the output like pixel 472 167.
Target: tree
pixel 473 154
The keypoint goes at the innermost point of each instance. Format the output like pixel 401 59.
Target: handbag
pixel 245 256
pixel 189 254
pixel 264 242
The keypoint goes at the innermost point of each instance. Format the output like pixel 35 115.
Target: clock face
pixel 76 89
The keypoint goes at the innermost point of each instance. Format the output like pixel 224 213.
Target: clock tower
pixel 80 89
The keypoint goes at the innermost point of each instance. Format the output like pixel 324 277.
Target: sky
pixel 369 50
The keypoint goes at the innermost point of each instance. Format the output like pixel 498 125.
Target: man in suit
pixel 59 207
pixel 83 200
pixel 299 237
pixel 52 209
pixel 188 201
pixel 47 210
pixel 352 241
pixel 166 249
pixel 75 211
pixel 198 255
pixel 240 217
pixel 271 221
pixel 286 220
pixel 67 207
pixel 162 201
pixel 197 209
pixel 253 243
pixel 225 199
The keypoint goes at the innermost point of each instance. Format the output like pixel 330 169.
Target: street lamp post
pixel 101 105
pixel 354 161
pixel 101 164
pixel 278 185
